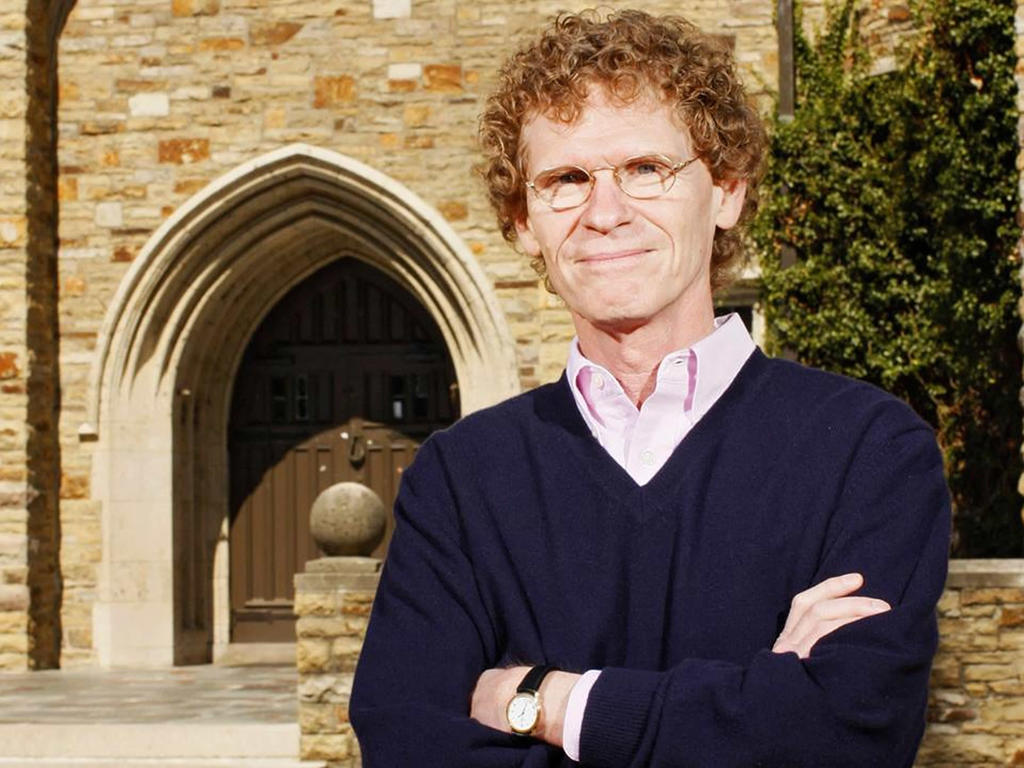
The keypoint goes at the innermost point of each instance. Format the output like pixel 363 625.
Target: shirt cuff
pixel 574 710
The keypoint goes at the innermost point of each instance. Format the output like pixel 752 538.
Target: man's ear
pixel 734 192
pixel 524 233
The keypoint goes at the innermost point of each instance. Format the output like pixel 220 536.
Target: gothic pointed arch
pixel 172 342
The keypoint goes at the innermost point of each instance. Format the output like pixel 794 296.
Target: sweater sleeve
pixel 428 640
pixel 860 697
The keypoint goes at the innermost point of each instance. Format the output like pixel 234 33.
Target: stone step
pixel 267 745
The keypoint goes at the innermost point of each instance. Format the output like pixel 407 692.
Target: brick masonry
pixel 14 105
pixel 29 388
pixel 976 703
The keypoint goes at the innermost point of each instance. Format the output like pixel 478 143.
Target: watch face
pixel 522 712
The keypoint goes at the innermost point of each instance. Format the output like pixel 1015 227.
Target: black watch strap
pixel 534 678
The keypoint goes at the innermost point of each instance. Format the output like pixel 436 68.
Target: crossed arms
pixel 814 613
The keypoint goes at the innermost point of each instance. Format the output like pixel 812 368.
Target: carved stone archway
pixel 172 342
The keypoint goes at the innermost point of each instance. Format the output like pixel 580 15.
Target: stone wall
pixel 30 582
pixel 976 704
pixel 158 99
pixel 976 707
pixel 14 98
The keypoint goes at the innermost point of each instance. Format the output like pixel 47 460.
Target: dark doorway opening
pixel 341 382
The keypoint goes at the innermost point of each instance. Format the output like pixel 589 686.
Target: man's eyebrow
pixel 667 154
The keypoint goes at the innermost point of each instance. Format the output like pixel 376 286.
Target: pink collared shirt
pixel 689 382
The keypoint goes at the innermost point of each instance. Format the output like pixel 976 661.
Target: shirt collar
pixel 721 354
pixel 716 359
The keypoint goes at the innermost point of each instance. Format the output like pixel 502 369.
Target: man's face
pixel 616 261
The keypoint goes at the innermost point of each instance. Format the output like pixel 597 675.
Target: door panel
pixel 340 382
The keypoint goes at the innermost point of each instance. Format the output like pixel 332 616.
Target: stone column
pixel 14 593
pixel 29 452
pixel 333 597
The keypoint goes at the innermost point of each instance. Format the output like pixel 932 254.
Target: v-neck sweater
pixel 687 382
pixel 520 541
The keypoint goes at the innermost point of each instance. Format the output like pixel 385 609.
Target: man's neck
pixel 632 356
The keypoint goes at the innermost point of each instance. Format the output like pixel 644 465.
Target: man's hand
pixel 822 609
pixel 495 687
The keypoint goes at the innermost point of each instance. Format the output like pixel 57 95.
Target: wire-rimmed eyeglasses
pixel 643 177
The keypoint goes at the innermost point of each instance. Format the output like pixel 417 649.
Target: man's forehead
pixel 646 117
pixel 569 110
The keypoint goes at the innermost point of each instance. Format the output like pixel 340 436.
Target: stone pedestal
pixel 333 597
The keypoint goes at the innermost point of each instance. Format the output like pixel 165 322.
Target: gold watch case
pixel 523 712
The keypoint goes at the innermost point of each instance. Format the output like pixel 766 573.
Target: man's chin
pixel 610 311
pixel 618 323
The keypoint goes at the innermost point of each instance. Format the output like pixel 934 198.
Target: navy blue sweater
pixel 519 540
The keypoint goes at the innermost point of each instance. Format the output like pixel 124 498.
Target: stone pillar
pixel 14 593
pixel 332 600
pixel 29 451
pixel 43 454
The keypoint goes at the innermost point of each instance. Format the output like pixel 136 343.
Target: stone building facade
pixel 172 170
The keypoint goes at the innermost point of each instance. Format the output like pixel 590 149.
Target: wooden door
pixel 341 382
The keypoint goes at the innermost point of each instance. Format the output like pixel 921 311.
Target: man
pixel 653 561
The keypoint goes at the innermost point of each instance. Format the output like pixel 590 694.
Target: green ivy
pixel 899 194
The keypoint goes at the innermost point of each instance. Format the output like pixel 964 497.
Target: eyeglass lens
pixel 570 185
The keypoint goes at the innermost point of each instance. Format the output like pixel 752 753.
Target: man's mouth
pixel 606 257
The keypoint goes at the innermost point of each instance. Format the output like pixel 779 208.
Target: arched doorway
pixel 173 342
pixel 341 381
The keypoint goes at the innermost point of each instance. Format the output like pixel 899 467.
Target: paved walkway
pixel 189 717
pixel 200 694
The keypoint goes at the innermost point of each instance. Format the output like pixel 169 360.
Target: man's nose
pixel 608 206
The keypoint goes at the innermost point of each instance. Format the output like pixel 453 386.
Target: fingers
pixel 824 617
pixel 837 586
pixel 842 608
pixel 822 609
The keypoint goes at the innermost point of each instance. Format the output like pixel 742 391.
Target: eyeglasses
pixel 641 177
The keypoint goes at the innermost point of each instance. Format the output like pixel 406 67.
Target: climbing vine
pixel 898 193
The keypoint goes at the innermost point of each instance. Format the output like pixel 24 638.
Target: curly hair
pixel 630 54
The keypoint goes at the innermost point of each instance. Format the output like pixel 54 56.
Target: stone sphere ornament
pixel 347 519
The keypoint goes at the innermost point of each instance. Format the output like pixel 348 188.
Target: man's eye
pixel 646 166
pixel 564 177
pixel 573 176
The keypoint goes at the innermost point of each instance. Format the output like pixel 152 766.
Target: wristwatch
pixel 523 709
